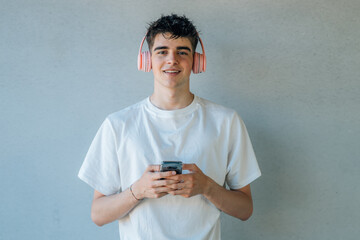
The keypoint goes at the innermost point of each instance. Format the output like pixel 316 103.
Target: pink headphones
pixel 144 60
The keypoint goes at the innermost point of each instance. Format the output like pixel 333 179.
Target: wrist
pixel 209 187
pixel 135 192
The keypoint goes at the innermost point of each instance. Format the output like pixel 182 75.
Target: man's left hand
pixel 191 184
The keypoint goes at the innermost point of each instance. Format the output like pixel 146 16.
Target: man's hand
pixel 235 202
pixel 150 185
pixel 188 185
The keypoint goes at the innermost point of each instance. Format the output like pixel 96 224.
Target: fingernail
pixel 173 173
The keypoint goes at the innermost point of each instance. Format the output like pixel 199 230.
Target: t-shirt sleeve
pixel 100 168
pixel 242 166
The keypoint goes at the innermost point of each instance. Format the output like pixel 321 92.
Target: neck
pixel 171 101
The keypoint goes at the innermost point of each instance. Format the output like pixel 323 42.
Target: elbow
pixel 246 215
pixel 99 224
pixel 96 218
pixel 97 221
pixel 245 218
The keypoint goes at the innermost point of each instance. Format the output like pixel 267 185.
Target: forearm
pixel 234 203
pixel 107 209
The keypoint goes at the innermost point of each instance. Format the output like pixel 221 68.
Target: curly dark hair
pixel 177 26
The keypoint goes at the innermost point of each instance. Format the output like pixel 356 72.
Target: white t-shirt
pixel 210 135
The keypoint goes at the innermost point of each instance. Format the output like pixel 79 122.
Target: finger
pixel 182 177
pixel 177 186
pixel 177 177
pixel 191 167
pixel 153 168
pixel 179 192
pixel 161 183
pixel 158 195
pixel 162 190
pixel 159 175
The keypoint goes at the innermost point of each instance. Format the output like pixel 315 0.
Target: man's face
pixel 171 61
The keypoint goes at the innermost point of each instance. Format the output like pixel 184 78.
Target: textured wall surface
pixel 290 68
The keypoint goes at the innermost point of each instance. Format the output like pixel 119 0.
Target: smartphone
pixel 171 166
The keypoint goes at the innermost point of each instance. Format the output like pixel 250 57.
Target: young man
pixel 123 162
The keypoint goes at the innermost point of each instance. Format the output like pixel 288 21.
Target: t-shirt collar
pixel 172 113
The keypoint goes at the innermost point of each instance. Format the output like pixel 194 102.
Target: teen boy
pixel 122 164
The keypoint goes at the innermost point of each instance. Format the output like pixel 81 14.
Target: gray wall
pixel 290 68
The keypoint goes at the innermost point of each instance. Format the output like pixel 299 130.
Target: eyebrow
pixel 178 48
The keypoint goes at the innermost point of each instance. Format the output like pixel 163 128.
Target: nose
pixel 172 58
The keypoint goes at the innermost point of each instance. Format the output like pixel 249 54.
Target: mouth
pixel 171 71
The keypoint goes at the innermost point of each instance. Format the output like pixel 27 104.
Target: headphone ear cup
pixel 139 61
pixel 144 61
pixel 199 64
pixel 147 61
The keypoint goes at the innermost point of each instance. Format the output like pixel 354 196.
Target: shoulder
pixel 126 114
pixel 217 110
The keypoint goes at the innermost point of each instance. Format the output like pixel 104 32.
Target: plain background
pixel 290 69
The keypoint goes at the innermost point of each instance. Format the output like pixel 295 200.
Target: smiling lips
pixel 171 71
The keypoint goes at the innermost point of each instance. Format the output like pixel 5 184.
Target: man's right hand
pixel 150 185
pixel 106 209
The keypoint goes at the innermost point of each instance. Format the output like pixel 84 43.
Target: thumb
pixel 191 167
pixel 153 168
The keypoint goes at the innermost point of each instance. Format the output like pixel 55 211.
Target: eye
pixel 161 52
pixel 183 53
